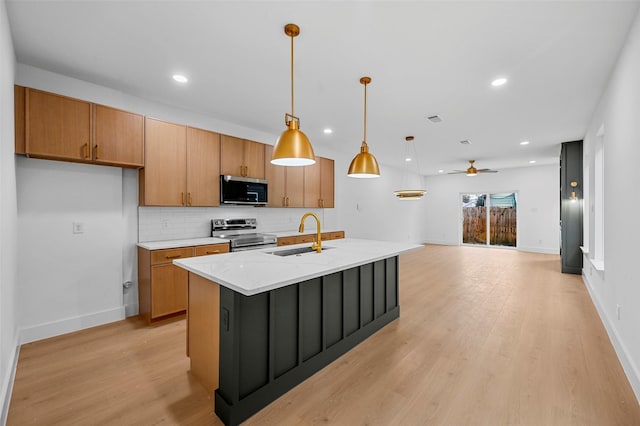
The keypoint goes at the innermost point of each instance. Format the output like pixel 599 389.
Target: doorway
pixel 489 219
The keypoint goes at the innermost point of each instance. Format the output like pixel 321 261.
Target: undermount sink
pixel 296 251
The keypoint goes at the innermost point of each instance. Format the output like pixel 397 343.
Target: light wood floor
pixel 485 337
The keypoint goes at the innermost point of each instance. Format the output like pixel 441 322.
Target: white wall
pixel 8 218
pixel 538 210
pixel 68 281
pixel 617 286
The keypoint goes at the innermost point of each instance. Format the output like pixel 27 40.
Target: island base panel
pixel 203 330
pixel 273 341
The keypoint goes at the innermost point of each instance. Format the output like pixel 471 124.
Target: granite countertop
pixel 256 271
pixel 159 245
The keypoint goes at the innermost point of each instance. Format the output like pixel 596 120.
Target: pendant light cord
pixel 365 113
pixel 292 111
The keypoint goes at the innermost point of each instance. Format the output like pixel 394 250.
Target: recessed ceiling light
pixel 498 82
pixel 327 131
pixel 524 143
pixel 180 78
pixel 440 171
pixel 532 161
pixel 408 159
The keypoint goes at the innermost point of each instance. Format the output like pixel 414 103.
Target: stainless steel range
pixel 238 232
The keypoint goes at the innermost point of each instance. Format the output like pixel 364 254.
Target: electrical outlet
pixel 78 228
pixel 165 223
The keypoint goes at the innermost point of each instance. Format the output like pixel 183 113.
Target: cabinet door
pixel 295 186
pixel 203 168
pixel 118 137
pixel 163 179
pixel 276 176
pixel 231 156
pixel 326 183
pixel 254 159
pixel 312 184
pixel 57 127
pixel 168 290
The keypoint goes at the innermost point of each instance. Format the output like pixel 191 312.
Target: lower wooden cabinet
pixel 162 286
pixel 309 238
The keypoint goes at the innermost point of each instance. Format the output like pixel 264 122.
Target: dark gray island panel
pixel 272 341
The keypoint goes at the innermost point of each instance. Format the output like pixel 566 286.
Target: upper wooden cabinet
pixel 319 184
pixel 181 166
pixel 240 157
pixel 327 181
pixel 62 128
pixel 163 181
pixel 118 137
pixel 57 127
pixel 203 168
pixel 286 184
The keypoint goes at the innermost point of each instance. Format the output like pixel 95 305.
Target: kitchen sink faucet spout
pixel 317 246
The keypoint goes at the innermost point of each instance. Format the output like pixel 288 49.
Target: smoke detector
pixel 465 142
pixel 434 118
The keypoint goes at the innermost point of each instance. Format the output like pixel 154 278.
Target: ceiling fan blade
pixel 455 172
pixel 487 171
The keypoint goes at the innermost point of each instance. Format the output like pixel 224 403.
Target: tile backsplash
pixel 171 223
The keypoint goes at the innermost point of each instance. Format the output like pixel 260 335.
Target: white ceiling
pixel 424 58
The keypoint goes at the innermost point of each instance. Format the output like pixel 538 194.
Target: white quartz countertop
pixel 159 245
pixel 256 271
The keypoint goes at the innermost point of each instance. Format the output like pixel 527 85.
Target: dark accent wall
pixel 275 340
pixel 571 211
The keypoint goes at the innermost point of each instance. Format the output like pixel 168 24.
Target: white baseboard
pixel 441 243
pixel 540 250
pixel 628 365
pixel 68 325
pixel 131 310
pixel 7 383
pixel 545 250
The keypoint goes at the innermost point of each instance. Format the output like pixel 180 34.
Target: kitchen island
pixel 259 323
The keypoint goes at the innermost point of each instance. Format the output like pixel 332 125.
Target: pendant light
pixel 410 157
pixel 364 165
pixel 292 147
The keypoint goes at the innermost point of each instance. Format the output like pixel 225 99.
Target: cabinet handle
pixel 287 201
pixel 246 171
pixel 284 201
pixel 175 256
pixel 182 195
pixel 213 252
pixel 86 150
pixel 241 170
pixel 97 151
pixel 190 199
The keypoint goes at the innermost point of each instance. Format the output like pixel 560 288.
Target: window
pixel 489 219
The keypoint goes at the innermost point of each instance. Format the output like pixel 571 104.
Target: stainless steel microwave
pixel 242 190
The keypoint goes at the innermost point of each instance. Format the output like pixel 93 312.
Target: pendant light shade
pixel 293 147
pixel 410 156
pixel 364 165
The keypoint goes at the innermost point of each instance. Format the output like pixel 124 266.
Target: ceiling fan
pixel 472 171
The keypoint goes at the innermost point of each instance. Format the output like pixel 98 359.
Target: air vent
pixel 465 142
pixel 434 118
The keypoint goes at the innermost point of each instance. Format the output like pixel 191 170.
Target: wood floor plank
pixel 485 337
